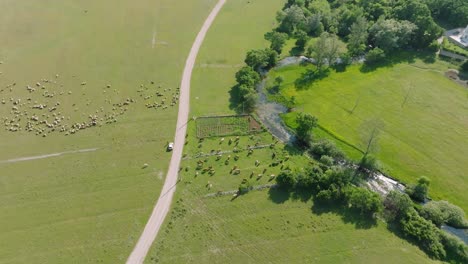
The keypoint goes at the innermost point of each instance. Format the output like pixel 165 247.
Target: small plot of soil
pixel 455 76
pixel 213 126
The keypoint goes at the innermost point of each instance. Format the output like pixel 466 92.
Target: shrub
pixel 397 205
pixel 286 179
pixel 245 187
pixel 327 160
pixel 305 124
pixel 369 162
pixel 419 191
pixel 364 200
pixel 431 211
pixel 464 67
pixel 375 56
pixel 434 46
pixel 456 250
pixel 424 232
pixel 326 147
pixel 443 212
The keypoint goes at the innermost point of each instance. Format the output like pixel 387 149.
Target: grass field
pixel 424 116
pixel 261 226
pixel 87 207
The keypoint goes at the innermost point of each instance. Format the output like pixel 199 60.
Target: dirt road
pixel 164 202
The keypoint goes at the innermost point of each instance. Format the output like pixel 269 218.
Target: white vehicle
pixel 170 146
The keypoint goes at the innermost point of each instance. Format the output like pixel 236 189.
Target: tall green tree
pixel 247 76
pixel 364 200
pixel 417 12
pixel 324 50
pixel 357 39
pixel 258 59
pixel 277 40
pixel 302 39
pixel 305 123
pixel 391 34
pixel 291 18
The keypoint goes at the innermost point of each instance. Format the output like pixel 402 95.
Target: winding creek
pixel 269 113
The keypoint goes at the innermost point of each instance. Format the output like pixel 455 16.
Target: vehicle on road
pixel 170 146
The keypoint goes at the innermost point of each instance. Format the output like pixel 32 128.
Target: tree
pixel 277 40
pixel 279 80
pixel 286 179
pixel 258 59
pixel 452 11
pixel 364 200
pixel 324 50
pixel 397 205
pixel 424 232
pixel 443 212
pixel 290 19
pixel 457 250
pixel 323 8
pixel 369 162
pixel 305 124
pixel 247 76
pixel 417 12
pixel 391 34
pixel 357 39
pixel 375 8
pixel 326 147
pixel 464 66
pixel 419 191
pixel 302 39
pixel 375 56
pixel 347 16
pixel 314 26
pixel 249 101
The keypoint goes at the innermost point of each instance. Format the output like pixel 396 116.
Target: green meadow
pixel 107 59
pixel 424 117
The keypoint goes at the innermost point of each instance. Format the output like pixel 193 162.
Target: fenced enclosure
pixel 215 126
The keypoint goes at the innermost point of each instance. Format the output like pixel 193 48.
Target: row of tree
pixel 454 12
pixel 420 224
pixel 332 185
pixel 249 76
pixel 384 24
pixel 422 228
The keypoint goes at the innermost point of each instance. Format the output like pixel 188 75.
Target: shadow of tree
pixel 234 99
pixel 348 215
pixel 400 57
pixel 278 195
pixel 296 51
pixel 310 76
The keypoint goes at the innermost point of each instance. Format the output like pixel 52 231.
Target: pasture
pixel 88 94
pixel 423 115
pixel 207 224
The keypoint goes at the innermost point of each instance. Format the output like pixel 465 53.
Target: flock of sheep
pixel 42 113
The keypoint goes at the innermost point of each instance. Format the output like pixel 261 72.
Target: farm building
pixel 459 37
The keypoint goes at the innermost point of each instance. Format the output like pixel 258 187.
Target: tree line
pixel 332 180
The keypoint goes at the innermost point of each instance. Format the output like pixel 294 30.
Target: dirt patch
pixel 214 126
pixel 455 76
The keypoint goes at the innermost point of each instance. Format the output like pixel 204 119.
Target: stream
pixel 269 113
